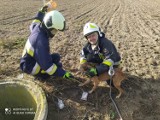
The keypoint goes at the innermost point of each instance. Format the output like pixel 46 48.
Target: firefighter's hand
pixel 91 72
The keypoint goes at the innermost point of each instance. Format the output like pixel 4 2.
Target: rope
pixel 111 72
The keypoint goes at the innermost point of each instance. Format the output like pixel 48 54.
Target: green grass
pixel 13 44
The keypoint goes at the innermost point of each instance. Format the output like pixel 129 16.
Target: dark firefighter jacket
pixel 105 54
pixel 36 56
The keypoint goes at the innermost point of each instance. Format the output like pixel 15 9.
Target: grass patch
pixel 13 44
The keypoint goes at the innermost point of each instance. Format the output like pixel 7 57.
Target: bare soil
pixel 132 25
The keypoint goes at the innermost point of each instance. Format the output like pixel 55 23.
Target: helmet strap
pixel 51 35
pixel 48 31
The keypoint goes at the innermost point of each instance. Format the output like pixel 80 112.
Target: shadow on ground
pixel 140 100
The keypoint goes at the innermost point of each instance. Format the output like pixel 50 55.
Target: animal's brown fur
pixel 118 77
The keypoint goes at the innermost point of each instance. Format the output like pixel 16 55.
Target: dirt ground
pixel 132 25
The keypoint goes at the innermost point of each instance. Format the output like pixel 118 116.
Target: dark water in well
pixel 16 103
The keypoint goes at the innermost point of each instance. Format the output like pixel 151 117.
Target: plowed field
pixel 134 28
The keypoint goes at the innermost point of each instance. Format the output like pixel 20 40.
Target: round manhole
pixel 22 100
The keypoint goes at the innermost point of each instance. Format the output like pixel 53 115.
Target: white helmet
pixel 90 28
pixel 54 19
